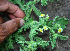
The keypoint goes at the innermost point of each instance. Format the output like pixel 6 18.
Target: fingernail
pixel 21 22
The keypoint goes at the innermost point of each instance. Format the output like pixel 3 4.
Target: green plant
pixel 54 26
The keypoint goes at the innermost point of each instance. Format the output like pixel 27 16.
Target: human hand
pixel 15 13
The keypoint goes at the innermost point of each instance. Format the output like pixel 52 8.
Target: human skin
pixel 15 13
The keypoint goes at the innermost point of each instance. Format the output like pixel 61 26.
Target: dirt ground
pixel 62 9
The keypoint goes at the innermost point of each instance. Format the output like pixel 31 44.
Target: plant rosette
pixel 42 25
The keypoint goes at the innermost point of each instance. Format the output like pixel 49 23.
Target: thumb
pixel 10 27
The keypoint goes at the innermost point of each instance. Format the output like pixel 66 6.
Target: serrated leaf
pixel 38 0
pixel 20 42
pixel 63 26
pixel 62 21
pixel 49 23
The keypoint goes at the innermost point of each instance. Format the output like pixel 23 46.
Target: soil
pixel 60 8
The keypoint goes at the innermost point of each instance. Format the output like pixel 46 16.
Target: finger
pixel 3 5
pixel 15 10
pixel 1 20
pixel 9 27
pixel 2 39
pixel 11 16
pixel 11 8
pixel 12 25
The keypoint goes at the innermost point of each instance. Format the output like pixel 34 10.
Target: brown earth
pixel 62 9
